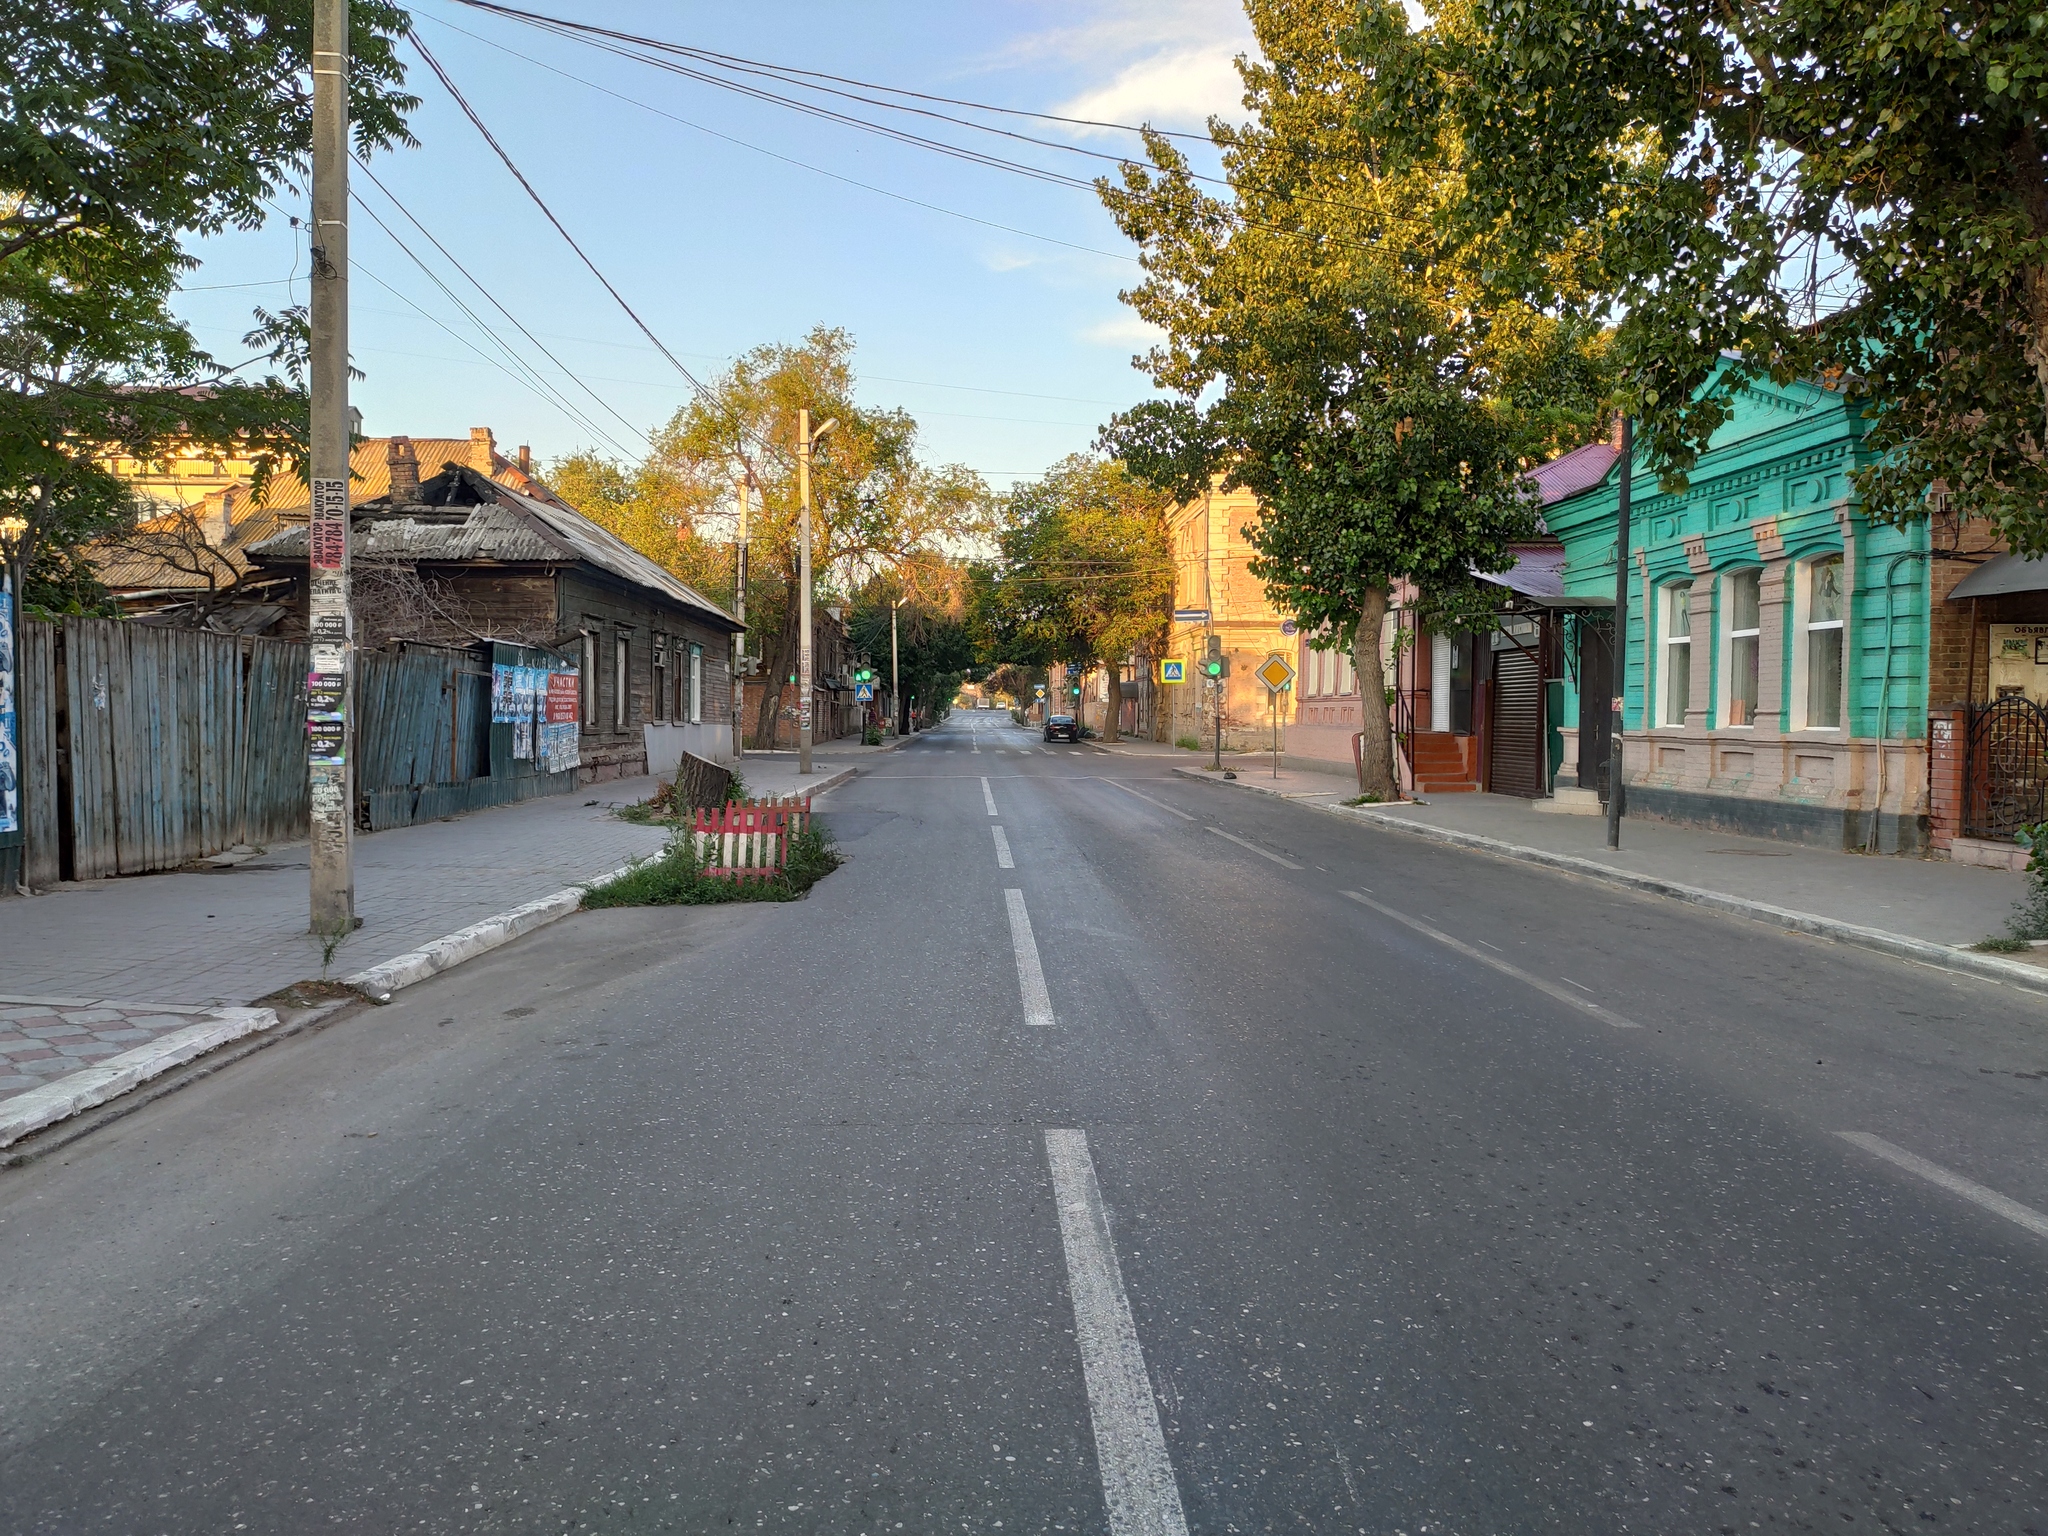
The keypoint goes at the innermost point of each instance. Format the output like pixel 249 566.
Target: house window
pixel 1823 644
pixel 658 694
pixel 589 680
pixel 1739 610
pixel 622 656
pixel 696 685
pixel 1677 692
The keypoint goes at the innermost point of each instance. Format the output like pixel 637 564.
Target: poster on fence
pixel 561 750
pixel 10 774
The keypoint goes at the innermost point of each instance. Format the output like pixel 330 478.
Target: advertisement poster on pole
pixel 10 775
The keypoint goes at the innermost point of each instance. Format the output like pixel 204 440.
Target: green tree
pixel 935 651
pixel 1855 190
pixel 658 506
pixel 127 126
pixel 1084 576
pixel 1335 350
pixel 876 505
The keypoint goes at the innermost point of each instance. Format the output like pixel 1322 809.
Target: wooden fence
pixel 748 839
pixel 145 748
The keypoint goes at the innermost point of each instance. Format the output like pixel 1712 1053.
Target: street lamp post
pixel 1619 664
pixel 895 681
pixel 739 640
pixel 806 439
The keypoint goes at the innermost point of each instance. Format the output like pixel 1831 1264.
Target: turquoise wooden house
pixel 1775 670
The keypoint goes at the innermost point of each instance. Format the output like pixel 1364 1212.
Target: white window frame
pixel 1725 690
pixel 622 680
pixel 696 685
pixel 1803 628
pixel 1668 641
pixel 658 679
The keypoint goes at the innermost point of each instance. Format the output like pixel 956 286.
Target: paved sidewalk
pixel 1928 899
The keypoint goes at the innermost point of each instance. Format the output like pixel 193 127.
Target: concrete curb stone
pixel 1898 945
pixel 39 1107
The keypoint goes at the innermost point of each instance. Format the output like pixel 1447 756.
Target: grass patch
pixel 675 877
pixel 1364 800
pixel 1999 944
pixel 1187 743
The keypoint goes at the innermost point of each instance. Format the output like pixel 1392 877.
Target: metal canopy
pixel 2003 573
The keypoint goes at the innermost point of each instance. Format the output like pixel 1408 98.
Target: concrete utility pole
pixel 895 683
pixel 806 439
pixel 329 702
pixel 1619 663
pixel 739 611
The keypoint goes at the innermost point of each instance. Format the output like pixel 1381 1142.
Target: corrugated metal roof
pixel 2003 573
pixel 1570 473
pixel 502 526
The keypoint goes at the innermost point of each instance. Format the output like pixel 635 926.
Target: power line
pixel 480 288
pixel 819 170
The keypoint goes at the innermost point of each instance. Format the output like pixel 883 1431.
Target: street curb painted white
pixel 94 1085
pixel 381 980
pixel 1898 945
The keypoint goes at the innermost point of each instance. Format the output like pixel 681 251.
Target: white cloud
pixel 1011 261
pixel 1123 331
pixel 1180 89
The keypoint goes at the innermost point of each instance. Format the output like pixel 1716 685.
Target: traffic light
pixel 1215 665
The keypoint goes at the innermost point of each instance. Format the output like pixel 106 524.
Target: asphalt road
pixel 1343 1182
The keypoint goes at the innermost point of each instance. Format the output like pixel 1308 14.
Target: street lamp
pixel 806 439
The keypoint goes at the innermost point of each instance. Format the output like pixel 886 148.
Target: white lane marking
pixel 1255 848
pixel 1548 989
pixel 1030 974
pixel 1130 1447
pixel 1003 859
pixel 1183 815
pixel 2021 1215
pixel 988 796
pixel 1046 750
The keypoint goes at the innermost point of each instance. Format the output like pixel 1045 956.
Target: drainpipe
pixel 1884 694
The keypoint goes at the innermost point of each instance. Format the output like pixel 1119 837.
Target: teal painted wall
pixel 1780 465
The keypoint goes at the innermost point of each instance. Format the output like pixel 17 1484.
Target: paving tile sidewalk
pixel 232 935
pixel 1928 899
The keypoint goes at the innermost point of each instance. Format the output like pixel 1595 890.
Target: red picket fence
pixel 749 838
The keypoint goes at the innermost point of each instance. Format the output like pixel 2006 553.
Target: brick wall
pixel 1945 727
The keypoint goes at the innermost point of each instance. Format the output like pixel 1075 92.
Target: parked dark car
pixel 1062 728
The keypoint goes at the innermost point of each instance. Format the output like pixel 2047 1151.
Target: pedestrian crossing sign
pixel 864 693
pixel 1173 671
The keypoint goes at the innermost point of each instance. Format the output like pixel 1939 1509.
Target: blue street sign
pixel 1172 671
pixel 864 693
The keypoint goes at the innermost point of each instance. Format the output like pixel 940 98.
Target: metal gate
pixel 2005 768
pixel 1517 730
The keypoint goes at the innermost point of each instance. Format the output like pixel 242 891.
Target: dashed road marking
pixel 1030 974
pixel 1175 810
pixel 1130 1447
pixel 1003 859
pixel 1547 988
pixel 2020 1215
pixel 988 796
pixel 1255 848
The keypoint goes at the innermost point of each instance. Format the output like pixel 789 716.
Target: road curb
pixel 415 966
pixel 1898 945
pixel 92 1086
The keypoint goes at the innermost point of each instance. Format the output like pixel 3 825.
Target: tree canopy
pixel 1083 576
pixel 1850 190
pixel 127 126
pixel 1334 347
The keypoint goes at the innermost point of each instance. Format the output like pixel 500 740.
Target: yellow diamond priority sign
pixel 1276 672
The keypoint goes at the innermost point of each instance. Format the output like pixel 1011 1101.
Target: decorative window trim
pixel 1725 669
pixel 1669 641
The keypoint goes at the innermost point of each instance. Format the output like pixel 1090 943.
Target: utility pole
pixel 739 606
pixel 805 440
pixel 329 702
pixel 1619 662
pixel 895 681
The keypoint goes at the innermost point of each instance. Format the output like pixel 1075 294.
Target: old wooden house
pixel 459 557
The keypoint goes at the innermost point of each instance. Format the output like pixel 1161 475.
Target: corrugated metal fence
pixel 146 748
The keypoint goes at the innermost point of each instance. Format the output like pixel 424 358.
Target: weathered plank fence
pixel 145 748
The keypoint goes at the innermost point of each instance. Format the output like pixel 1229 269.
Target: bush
pixel 675 877
pixel 1187 743
pixel 2029 918
pixel 871 737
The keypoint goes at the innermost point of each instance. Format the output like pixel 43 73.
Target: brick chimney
pixel 1614 432
pixel 483 450
pixel 405 472
pixel 525 459
pixel 220 531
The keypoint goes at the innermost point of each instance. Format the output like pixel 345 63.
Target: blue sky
pixel 1009 350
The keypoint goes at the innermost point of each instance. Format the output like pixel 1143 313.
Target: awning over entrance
pixel 1537 580
pixel 2003 573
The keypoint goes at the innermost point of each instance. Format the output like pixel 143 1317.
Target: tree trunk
pixel 775 667
pixel 1376 774
pixel 1114 720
